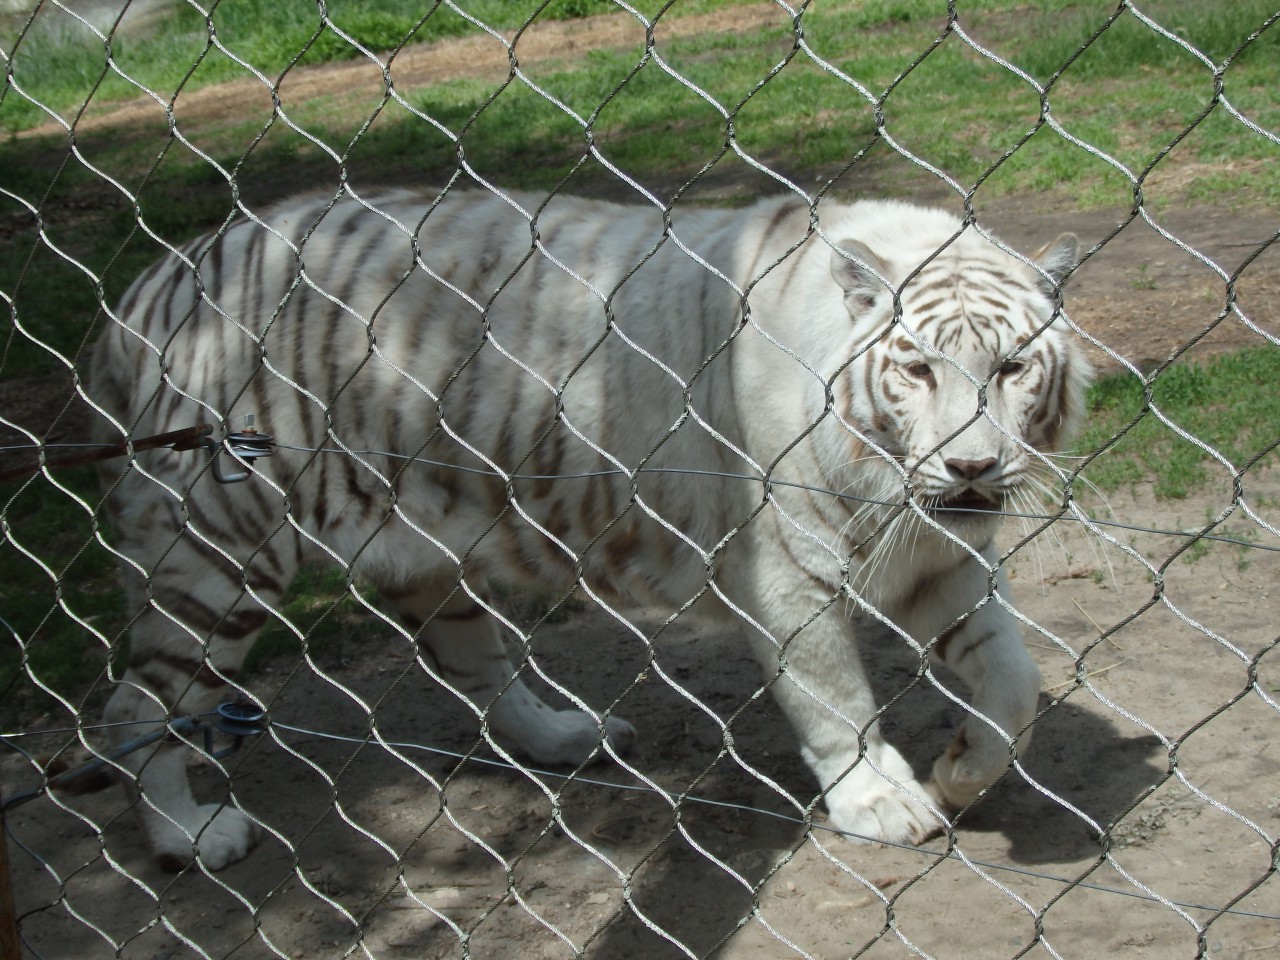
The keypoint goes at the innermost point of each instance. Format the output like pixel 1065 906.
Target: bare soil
pixel 1155 767
pixel 411 854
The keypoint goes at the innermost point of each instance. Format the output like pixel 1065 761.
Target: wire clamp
pixel 237 720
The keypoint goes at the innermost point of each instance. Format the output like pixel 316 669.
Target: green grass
pixel 1130 92
pixel 1228 403
pixel 322 608
pixel 55 575
pixel 58 59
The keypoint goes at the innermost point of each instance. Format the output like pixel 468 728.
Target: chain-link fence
pixel 480 405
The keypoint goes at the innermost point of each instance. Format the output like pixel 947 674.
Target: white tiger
pixel 888 355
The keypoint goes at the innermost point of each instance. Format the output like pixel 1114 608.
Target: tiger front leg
pixel 988 653
pixel 870 791
pixel 172 674
pixel 177 828
pixel 195 622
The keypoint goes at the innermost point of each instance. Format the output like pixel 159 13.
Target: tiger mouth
pixel 970 500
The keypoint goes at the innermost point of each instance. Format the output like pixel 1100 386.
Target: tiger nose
pixel 970 469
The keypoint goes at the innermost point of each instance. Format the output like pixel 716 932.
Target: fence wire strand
pixel 398 814
pixel 1197 536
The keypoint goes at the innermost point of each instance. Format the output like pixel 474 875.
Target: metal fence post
pixel 9 948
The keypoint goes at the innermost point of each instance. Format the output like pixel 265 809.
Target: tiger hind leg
pixel 465 645
pixel 195 623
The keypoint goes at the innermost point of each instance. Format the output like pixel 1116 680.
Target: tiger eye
pixel 1011 368
pixel 920 370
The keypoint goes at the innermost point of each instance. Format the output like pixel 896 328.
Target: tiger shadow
pixel 1072 742
pixel 1078 759
pixel 1053 815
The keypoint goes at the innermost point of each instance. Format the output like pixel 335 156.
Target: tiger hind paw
pixel 222 835
pixel 572 738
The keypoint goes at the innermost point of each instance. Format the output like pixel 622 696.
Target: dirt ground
pixel 1155 769
pixel 361 857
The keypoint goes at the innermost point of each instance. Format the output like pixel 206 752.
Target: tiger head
pixel 965 377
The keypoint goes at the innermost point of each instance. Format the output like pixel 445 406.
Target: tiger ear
pixel 859 277
pixel 1057 258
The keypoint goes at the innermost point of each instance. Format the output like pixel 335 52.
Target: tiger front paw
pixel 883 813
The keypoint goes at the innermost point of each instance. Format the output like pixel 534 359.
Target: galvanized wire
pixel 57 880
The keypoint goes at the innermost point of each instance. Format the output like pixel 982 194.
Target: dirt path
pixel 542 45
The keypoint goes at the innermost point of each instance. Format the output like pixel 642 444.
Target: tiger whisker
pixel 1050 491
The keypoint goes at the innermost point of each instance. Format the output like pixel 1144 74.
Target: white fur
pixel 739 342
